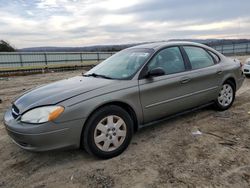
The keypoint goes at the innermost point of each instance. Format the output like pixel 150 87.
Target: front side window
pixel 122 65
pixel 169 59
pixel 198 57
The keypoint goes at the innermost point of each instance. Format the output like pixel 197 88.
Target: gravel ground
pixel 164 155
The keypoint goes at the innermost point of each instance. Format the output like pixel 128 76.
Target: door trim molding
pixel 180 97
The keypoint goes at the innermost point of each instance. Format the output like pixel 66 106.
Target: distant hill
pixel 112 48
pixel 96 48
pixel 214 42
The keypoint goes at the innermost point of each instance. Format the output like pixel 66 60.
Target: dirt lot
pixel 164 155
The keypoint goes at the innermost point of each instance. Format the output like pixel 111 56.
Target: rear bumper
pixel 46 136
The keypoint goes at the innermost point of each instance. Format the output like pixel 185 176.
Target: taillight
pixel 241 65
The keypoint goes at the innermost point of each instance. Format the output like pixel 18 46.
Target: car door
pixel 167 94
pixel 205 74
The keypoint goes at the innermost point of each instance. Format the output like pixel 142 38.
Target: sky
pixel 34 23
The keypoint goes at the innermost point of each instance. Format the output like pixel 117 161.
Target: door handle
pixel 219 72
pixel 185 80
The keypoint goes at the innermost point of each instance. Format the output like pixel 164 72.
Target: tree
pixel 6 47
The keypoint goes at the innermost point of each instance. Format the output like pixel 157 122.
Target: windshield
pixel 122 65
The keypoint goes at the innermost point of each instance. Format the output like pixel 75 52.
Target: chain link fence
pixel 233 49
pixel 39 59
pixel 12 61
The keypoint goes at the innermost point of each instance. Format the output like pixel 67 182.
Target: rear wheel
pixel 226 96
pixel 108 132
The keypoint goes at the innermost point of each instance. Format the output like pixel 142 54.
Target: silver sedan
pixel 136 87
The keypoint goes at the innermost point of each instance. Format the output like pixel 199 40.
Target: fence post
pixel 21 59
pixel 98 57
pixel 222 50
pixel 45 57
pixel 247 48
pixel 81 57
pixel 234 48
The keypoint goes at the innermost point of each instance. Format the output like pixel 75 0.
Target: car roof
pixel 159 45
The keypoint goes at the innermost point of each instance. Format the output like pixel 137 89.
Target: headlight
pixel 42 114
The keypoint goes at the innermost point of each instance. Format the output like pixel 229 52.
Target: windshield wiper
pixel 97 75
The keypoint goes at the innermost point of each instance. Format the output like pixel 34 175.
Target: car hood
pixel 59 91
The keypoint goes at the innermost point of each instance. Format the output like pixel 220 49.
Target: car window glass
pixel 169 59
pixel 198 57
pixel 122 65
pixel 216 58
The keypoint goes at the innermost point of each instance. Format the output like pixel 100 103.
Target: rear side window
pixel 198 57
pixel 216 57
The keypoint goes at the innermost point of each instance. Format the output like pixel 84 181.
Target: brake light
pixel 241 65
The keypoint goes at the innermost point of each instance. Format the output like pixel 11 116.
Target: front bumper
pixel 246 69
pixel 46 136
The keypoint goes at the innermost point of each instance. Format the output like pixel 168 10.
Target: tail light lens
pixel 241 64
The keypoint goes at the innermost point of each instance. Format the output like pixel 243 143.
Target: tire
pixel 247 75
pixel 226 97
pixel 108 132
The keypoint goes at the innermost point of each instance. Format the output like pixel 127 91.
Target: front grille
pixel 15 111
pixel 246 70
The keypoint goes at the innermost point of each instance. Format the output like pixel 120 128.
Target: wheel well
pixel 232 80
pixel 126 107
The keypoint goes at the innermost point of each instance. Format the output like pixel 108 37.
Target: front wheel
pixel 226 96
pixel 108 132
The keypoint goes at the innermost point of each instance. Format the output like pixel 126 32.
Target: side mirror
pixel 156 72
